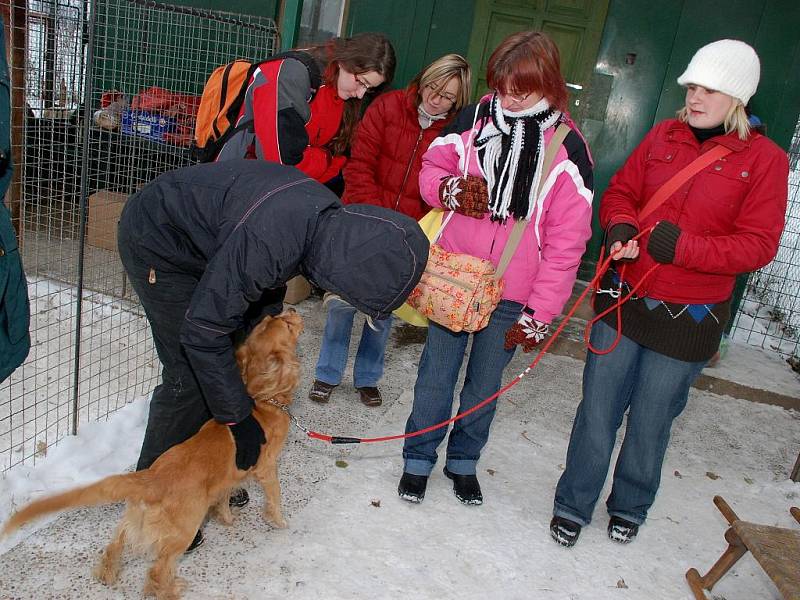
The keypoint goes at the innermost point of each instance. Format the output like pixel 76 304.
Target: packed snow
pixel 350 536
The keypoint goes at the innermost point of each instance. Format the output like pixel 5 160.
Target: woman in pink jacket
pixel 727 219
pixel 502 140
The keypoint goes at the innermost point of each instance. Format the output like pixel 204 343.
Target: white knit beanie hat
pixel 728 66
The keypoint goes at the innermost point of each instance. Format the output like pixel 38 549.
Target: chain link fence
pixel 769 315
pixel 103 100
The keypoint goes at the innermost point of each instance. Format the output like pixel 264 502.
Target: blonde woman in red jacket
pixel 383 169
pixel 725 220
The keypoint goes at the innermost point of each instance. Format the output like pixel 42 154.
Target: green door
pixel 420 30
pixel 575 25
pixel 646 46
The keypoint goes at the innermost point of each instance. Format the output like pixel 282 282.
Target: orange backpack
pixel 222 100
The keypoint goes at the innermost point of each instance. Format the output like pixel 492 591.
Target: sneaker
pixel 370 396
pixel 621 530
pixel 466 488
pixel 412 487
pixel 320 391
pixel 196 542
pixel 564 531
pixel 239 498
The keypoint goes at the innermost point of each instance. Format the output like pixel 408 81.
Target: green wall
pixel 420 30
pixel 168 50
pixel 263 8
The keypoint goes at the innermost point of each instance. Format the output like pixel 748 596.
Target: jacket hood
pixel 371 256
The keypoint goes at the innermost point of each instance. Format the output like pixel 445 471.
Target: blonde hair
pixel 736 119
pixel 440 72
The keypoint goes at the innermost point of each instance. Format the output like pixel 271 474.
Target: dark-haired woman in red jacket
pixel 383 169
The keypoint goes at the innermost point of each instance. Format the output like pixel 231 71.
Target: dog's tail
pixel 116 488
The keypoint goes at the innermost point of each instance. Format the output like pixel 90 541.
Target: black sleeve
pixel 579 156
pixel 292 136
pixel 236 277
pixel 465 118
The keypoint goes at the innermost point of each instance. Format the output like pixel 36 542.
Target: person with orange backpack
pixel 290 115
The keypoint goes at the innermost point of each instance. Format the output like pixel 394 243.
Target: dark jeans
pixel 439 366
pixel 177 408
pixel 653 388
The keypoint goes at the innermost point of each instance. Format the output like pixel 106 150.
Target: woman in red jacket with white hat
pixel 383 169
pixel 725 220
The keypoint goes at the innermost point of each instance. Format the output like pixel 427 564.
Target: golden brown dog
pixel 168 502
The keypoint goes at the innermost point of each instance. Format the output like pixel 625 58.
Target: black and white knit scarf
pixel 510 152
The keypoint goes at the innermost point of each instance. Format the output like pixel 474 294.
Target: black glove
pixel 663 241
pixel 249 437
pixel 621 232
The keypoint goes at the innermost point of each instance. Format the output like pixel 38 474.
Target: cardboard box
pixel 146 124
pixel 105 208
pixel 297 290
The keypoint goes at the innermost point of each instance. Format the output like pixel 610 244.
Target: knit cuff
pixel 621 232
pixel 663 241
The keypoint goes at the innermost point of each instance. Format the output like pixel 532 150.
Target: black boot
pixel 564 531
pixel 239 498
pixel 196 542
pixel 621 530
pixel 466 488
pixel 412 487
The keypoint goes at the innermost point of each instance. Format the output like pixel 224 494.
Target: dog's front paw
pixel 105 572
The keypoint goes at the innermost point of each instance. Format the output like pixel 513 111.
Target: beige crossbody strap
pixel 519 226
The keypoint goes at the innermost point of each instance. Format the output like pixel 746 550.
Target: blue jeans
pixel 436 381
pixel 654 389
pixel 368 369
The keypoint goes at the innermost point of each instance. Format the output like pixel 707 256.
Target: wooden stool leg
pixel 726 510
pixel 736 549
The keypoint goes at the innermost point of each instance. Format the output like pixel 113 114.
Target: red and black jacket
pixel 291 124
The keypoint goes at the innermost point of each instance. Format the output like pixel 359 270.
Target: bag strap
pixel 681 177
pixel 310 63
pixel 519 226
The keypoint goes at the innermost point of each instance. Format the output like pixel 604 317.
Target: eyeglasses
pixel 363 84
pixel 441 95
pixel 515 97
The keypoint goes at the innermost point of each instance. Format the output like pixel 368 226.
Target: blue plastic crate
pixel 147 125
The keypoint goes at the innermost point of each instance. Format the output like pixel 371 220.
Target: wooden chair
pixel 776 549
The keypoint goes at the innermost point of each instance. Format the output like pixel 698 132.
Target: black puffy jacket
pixel 244 227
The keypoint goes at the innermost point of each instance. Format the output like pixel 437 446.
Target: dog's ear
pixel 294 323
pixel 275 373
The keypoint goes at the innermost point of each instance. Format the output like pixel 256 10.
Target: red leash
pixel 620 299
pixel 602 267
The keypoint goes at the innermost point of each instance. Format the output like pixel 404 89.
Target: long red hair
pixel 527 62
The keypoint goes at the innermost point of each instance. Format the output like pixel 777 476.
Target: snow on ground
pixel 117 362
pixel 754 367
pixel 350 536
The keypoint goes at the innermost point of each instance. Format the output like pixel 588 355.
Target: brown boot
pixel 370 396
pixel 320 391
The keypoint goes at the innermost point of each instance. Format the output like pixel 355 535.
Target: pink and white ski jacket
pixel 542 271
